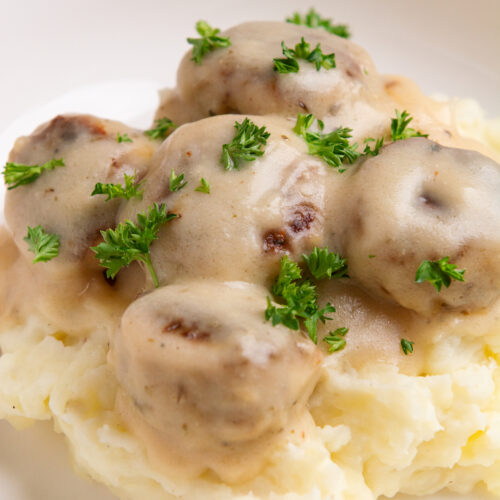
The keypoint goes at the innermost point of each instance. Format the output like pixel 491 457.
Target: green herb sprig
pixel 438 273
pixel 407 346
pixel 400 129
pixel 176 182
pixel 313 20
pixel 336 339
pixel 204 186
pixel 123 138
pixel 131 189
pixel 129 242
pixel 209 41
pixel 246 145
pixel 44 245
pixel 333 148
pixel 325 264
pixel 161 129
pixel 376 147
pixel 300 298
pixel 289 63
pixel 17 174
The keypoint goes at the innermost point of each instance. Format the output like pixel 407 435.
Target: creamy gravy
pixel 205 380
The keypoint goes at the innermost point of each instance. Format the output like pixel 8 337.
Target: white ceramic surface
pixel 68 48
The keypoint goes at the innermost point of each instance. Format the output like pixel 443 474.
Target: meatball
pixel 60 200
pixel 210 383
pixel 270 207
pixel 419 201
pixel 241 79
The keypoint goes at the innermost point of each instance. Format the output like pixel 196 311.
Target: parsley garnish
pixel 16 174
pixel 302 50
pixel 45 246
pixel 336 339
pixel 300 301
pixel 161 128
pixel 209 41
pixel 131 190
pixel 325 264
pixel 313 20
pixel 407 346
pixel 438 273
pixel 376 147
pixel 333 148
pixel 176 182
pixel 204 187
pixel 400 129
pixel 129 241
pixel 246 144
pixel 123 138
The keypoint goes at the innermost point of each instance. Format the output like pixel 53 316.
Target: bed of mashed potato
pixel 372 432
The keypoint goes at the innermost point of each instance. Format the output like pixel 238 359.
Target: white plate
pixel 49 48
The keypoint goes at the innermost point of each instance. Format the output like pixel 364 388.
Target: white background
pixel 51 47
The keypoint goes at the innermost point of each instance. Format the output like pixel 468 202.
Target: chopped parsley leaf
pixel 123 138
pixel 131 190
pixel 302 50
pixel 407 346
pixel 176 182
pixel 333 148
pixel 204 187
pixel 438 273
pixel 161 129
pixel 129 241
pixel 313 20
pixel 16 174
pixel 245 146
pixel 210 40
pixel 325 264
pixel 336 339
pixel 400 129
pixel 44 245
pixel 298 301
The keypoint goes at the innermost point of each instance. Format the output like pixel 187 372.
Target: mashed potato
pixel 370 430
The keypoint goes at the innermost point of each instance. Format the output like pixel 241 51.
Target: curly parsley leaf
pixel 129 242
pixel 44 245
pixel 400 129
pixel 123 138
pixel 325 264
pixel 298 301
pixel 407 346
pixel 16 174
pixel 438 273
pixel 376 147
pixel 176 182
pixel 313 20
pixel 302 50
pixel 333 148
pixel 204 187
pixel 336 339
pixel 131 189
pixel 161 129
pixel 210 40
pixel 245 146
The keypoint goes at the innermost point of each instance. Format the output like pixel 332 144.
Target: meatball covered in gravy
pixel 419 201
pixel 208 381
pixel 241 79
pixel 268 208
